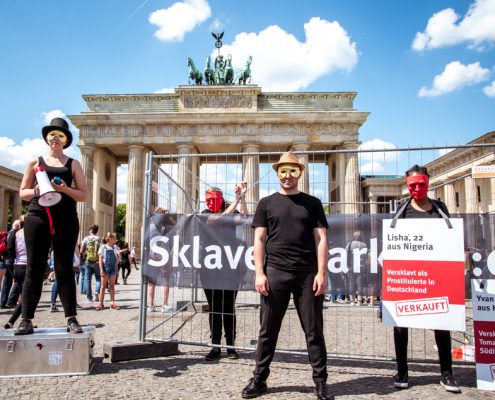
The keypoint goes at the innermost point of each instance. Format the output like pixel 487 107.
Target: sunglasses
pixel 57 134
pixel 293 171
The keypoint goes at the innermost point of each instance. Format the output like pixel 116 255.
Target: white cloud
pixel 376 161
pixel 165 90
pixel 16 156
pixel 455 76
pixel 490 90
pixel 178 19
pixel 442 30
pixel 371 168
pixel 282 63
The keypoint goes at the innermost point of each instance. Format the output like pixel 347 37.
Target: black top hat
pixel 58 124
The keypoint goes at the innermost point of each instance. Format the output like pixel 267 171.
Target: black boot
pixel 214 354
pixel 254 388
pixel 24 328
pixel 321 391
pixel 73 326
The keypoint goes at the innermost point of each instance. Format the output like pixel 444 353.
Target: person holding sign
pixel 290 257
pixel 56 224
pixel 221 302
pixel 420 206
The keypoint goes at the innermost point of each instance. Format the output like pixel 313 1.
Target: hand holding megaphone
pixel 47 195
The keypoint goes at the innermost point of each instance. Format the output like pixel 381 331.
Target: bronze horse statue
pixel 229 71
pixel 209 73
pixel 194 74
pixel 245 74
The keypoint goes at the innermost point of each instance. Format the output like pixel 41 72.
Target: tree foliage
pixel 120 221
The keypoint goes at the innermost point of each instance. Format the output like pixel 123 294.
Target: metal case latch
pixel 69 344
pixel 10 346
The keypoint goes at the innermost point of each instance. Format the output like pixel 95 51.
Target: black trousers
pixel 126 270
pixel 442 339
pixel 310 311
pixel 10 291
pixel 222 309
pixel 19 275
pixel 38 240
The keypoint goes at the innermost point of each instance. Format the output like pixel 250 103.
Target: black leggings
pixel 38 240
pixel 222 303
pixel 126 270
pixel 442 339
pixel 19 275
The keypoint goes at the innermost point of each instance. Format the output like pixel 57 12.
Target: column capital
pixel 350 145
pixel 86 147
pixel 250 147
pixel 300 146
pixel 136 147
pixel 185 148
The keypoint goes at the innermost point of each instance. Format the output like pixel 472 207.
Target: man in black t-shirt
pixel 290 256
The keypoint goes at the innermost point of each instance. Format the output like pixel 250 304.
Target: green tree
pixel 120 223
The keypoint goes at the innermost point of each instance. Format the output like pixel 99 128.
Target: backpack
pixel 92 250
pixel 3 242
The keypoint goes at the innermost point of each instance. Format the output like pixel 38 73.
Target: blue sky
pixel 423 69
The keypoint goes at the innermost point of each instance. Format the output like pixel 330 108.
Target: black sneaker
pixel 54 308
pixel 254 388
pixel 214 354
pixel 73 326
pixel 232 354
pixel 401 381
pixel 449 383
pixel 24 328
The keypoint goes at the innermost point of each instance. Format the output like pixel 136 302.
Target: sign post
pixel 484 331
pixel 423 274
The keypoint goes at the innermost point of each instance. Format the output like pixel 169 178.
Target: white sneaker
pixel 151 309
pixel 167 309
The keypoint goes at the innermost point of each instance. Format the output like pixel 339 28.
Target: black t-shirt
pixel 290 221
pixel 411 212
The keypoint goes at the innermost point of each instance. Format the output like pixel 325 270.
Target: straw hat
pixel 288 158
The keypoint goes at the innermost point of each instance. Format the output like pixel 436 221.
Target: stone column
pixel 16 205
pixel 4 209
pixel 303 184
pixel 351 180
pixel 373 205
pixel 85 209
pixel 135 192
pixel 449 195
pixel 185 180
pixel 250 174
pixel 471 196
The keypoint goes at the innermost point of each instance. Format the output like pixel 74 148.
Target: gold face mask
pixel 293 170
pixel 57 134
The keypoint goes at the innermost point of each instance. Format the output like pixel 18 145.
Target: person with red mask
pixel 420 206
pixel 221 302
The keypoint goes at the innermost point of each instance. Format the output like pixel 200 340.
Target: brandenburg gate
pixel 204 119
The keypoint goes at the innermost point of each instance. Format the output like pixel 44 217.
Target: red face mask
pixel 418 186
pixel 214 201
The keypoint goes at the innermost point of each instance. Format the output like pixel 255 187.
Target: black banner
pixel 215 251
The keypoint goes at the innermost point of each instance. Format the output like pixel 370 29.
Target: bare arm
pixel 320 282
pixel 28 189
pixel 79 191
pixel 261 281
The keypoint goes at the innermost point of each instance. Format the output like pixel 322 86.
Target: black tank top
pixel 67 205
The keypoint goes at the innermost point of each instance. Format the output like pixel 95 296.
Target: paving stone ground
pixel 188 376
